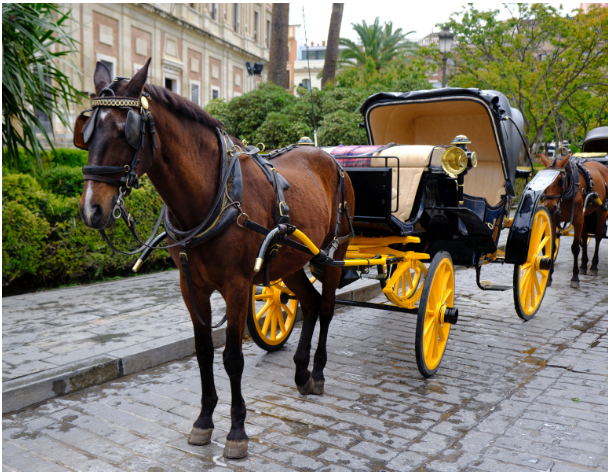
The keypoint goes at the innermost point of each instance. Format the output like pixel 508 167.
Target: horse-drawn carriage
pixel 435 185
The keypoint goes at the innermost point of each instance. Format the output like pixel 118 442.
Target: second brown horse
pixel 599 175
pixel 185 171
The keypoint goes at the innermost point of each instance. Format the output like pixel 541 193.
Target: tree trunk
pixel 277 69
pixel 333 40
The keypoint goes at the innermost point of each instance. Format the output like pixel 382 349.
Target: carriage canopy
pixel 434 117
pixel 596 140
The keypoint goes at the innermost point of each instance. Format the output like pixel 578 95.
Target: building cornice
pixel 184 24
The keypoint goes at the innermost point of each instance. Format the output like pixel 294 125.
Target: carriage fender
pixel 518 241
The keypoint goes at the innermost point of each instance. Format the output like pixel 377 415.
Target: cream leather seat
pixel 413 161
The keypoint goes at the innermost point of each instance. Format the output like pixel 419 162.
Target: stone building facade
pixel 198 50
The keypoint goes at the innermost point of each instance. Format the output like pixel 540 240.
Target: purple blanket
pixel 347 155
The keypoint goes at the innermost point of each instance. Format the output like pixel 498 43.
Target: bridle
pixel 569 188
pixel 135 131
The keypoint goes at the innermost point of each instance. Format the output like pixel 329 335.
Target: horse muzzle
pixel 96 210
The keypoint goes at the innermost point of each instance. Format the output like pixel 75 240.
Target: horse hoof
pixel 236 449
pixel 319 387
pixel 549 282
pixel 200 437
pixel 593 272
pixel 583 271
pixel 307 388
pixel 574 284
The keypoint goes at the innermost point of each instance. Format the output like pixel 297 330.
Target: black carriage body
pixel 468 230
pixel 595 146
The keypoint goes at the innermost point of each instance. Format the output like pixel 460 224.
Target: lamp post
pixel 446 39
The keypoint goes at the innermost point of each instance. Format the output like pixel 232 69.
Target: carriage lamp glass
pixel 454 161
pixel 445 41
pixel 474 159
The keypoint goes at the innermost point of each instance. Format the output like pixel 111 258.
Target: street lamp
pixel 446 38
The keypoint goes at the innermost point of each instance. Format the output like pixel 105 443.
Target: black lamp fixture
pixel 254 68
pixel 446 38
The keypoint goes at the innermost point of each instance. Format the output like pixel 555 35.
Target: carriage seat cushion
pixel 413 161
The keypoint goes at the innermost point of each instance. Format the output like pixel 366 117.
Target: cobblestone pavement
pixel 509 396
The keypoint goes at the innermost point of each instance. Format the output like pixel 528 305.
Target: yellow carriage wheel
pixel 432 331
pixel 405 284
pixel 530 278
pixel 271 315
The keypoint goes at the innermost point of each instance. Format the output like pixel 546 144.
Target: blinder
pixel 133 129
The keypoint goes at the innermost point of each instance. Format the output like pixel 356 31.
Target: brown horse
pixel 599 175
pixel 185 171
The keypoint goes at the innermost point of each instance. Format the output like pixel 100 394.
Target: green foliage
pixel 69 157
pixel 278 129
pixel 63 180
pixel 397 77
pixel 341 127
pixel 540 58
pixel 23 245
pixel 45 241
pixel 380 44
pixel 35 48
pixel 249 111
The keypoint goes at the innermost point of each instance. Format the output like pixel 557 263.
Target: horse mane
pixel 182 106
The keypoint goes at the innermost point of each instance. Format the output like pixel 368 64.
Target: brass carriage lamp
pixel 446 38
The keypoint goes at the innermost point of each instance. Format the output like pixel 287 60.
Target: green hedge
pixel 45 242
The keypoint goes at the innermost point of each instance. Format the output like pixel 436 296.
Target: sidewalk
pixel 61 341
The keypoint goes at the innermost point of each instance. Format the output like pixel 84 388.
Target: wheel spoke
pixel 267 321
pixel 273 323
pixel 409 281
pixel 436 342
pixel 542 245
pixel 259 314
pixel 441 333
pixel 281 321
pixel 264 296
pixel 447 295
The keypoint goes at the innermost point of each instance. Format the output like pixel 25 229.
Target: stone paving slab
pixel 509 396
pixel 60 341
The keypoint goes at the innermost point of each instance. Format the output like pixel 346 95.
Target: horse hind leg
pixel 599 233
pixel 584 256
pixel 331 279
pixel 310 301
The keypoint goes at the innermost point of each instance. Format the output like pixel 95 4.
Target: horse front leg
pixel 574 282
pixel 310 301
pixel 203 426
pixel 236 298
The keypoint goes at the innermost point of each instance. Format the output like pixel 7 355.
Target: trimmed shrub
pixel 280 130
pixel 70 157
pixel 23 241
pixel 63 180
pixel 341 127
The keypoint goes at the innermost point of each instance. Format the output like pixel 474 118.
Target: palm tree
pixel 35 49
pixel 378 43
pixel 333 41
pixel 279 49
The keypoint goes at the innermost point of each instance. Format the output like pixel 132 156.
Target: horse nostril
pixel 96 213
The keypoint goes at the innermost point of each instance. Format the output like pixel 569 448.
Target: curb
pixel 35 388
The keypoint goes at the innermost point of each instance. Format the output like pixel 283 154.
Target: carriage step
pixel 487 285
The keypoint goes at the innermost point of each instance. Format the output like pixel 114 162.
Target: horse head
pixel 104 134
pixel 556 187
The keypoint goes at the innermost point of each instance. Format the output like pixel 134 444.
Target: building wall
pixel 189 48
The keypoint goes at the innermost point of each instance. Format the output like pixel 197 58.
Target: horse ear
pixel 136 85
pixel 562 163
pixel 101 77
pixel 544 160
